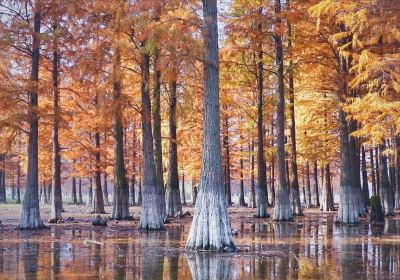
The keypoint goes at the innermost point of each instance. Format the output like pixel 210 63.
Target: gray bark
pixel 153 201
pixel 3 198
pixel 172 196
pixel 56 196
pixel 210 229
pixel 373 178
pixel 30 214
pixel 183 193
pixel 73 192
pixel 315 193
pixel 252 194
pixel 241 186
pixel 294 182
pixel 282 209
pixel 327 195
pixel 80 200
pixel 261 188
pixel 121 192
pixel 364 177
pixel 308 186
pixel 18 182
pixel 105 189
pixel 98 202
pixel 397 173
pixel 157 120
pixel 386 193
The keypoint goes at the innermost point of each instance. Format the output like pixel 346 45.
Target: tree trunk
pixel 241 186
pixel 157 120
pixel 397 170
pixel 134 155
pixel 105 189
pixel 327 195
pixel 30 214
pixel 261 187
pixel 282 209
pixel 173 199
pixel 2 177
pixel 315 199
pixel 98 202
pixel 385 189
pixel 376 210
pixel 308 186
pixel 371 158
pixel 56 199
pixel 294 182
pixel 252 196
pixel 73 192
pixel 140 191
pixel 18 182
pixel 90 202
pixel 227 167
pixel 121 192
pixel 80 200
pixel 183 193
pixel 364 177
pixel 378 179
pixel 348 210
pixel 153 208
pixel 210 229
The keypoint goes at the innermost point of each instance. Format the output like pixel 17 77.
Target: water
pixel 311 247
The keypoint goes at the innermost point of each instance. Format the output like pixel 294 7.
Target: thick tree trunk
pixel 365 187
pixel 327 195
pixel 153 207
pixel 282 209
pixel 56 199
pixel 294 182
pixel 183 192
pixel 252 194
pixel 348 200
pixel 98 202
pixel 157 120
pixel 210 229
pixel 261 188
pixel 30 214
pixel 376 210
pixel 385 189
pixel 121 192
pixel 315 193
pixel 140 191
pixel 173 199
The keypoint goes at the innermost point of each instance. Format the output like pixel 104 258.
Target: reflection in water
pixel 30 251
pixel 310 247
pixel 209 266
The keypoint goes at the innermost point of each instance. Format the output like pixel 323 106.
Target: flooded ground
pixel 310 247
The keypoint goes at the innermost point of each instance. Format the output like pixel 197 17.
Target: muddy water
pixel 306 248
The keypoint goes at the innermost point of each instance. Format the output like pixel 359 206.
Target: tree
pixel 210 227
pixel 30 214
pixel 282 209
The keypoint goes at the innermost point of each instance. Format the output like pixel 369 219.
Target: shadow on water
pixel 305 248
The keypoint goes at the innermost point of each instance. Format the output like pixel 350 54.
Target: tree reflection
pixel 209 266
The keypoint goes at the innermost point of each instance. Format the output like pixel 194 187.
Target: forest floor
pixel 80 216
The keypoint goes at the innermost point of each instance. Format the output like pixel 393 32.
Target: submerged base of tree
pixel 120 204
pixel 152 214
pixel 376 210
pixel 210 229
pixel 387 201
pixel 173 201
pixel 282 209
pixel 262 211
pixel 207 267
pixel 348 212
pixel 30 219
pixel 295 202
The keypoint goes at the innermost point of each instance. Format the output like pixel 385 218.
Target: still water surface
pixel 312 248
